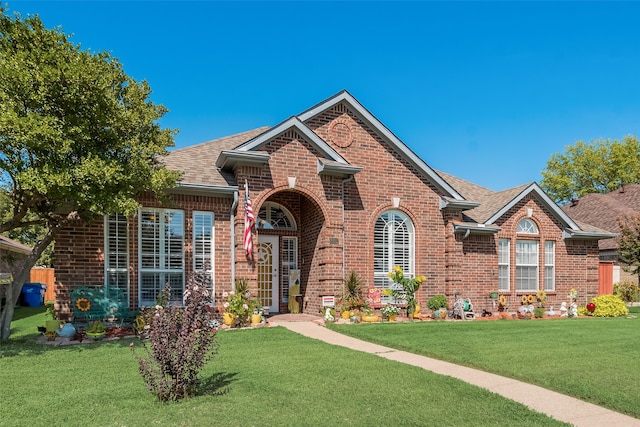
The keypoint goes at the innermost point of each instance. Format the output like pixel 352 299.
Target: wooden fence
pixel 46 276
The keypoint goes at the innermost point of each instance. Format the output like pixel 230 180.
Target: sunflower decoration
pixel 83 304
pixel 530 299
pixel 524 299
pixel 503 300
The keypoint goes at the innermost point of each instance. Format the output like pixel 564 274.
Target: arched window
pixel 273 216
pixel 394 244
pixel 526 226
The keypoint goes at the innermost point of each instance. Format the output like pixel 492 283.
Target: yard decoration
pixel 409 288
pixel 591 307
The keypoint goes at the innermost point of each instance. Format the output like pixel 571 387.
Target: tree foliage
pixel 600 166
pixel 629 242
pixel 78 137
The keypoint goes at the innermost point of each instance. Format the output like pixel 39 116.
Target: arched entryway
pixel 289 225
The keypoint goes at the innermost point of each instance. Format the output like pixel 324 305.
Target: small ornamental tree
pixel 178 342
pixel 629 241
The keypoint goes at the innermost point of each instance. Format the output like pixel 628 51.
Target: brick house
pixel 11 254
pixel 333 191
pixel 603 211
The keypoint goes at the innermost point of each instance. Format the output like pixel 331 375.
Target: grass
pixel 265 376
pixel 593 359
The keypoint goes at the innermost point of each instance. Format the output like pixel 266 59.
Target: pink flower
pixel 226 304
pixel 245 306
pixel 225 294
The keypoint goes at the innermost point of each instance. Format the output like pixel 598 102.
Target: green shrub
pixel 437 301
pixel 609 306
pixel 538 312
pixel 627 290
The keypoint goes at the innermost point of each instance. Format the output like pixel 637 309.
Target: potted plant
pixel 437 303
pixel 235 308
pixel 368 316
pixel 52 322
pixel 96 330
pixel 390 311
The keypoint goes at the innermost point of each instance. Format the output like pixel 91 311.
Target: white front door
pixel 268 276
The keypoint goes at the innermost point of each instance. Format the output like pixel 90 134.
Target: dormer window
pixel 526 226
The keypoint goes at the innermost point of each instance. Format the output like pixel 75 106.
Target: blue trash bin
pixel 33 294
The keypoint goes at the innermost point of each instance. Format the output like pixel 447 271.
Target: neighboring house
pixel 603 211
pixel 11 252
pixel 333 191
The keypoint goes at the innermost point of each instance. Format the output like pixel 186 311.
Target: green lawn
pixel 593 359
pixel 266 376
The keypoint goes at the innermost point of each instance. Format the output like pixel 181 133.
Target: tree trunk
pixel 14 289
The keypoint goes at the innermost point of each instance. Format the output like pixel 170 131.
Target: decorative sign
pixel 375 296
pixel 328 301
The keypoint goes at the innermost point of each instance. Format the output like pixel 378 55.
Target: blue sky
pixel 486 91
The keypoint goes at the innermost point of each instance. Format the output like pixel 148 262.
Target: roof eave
pixel 475 229
pixel 343 171
pixel 229 159
pixel 586 235
pixel 203 190
pixel 457 204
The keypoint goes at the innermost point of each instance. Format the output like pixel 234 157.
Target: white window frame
pixel 549 266
pixel 394 244
pixel 203 222
pixel 504 265
pixel 157 263
pixel 527 265
pixel 527 226
pixel 289 261
pixel 116 252
pixel 268 222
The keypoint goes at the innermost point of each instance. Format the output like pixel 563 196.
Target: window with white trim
pixel 526 265
pixel 116 253
pixel 504 265
pixel 203 244
pixel 161 254
pixel 289 262
pixel 549 266
pixel 274 216
pixel 393 244
pixel 527 226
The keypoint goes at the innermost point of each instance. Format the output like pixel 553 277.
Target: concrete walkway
pixel 556 405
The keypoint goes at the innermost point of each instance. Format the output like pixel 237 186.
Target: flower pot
pixel 95 335
pixel 52 325
pixel 228 318
pixel 392 318
pixel 256 318
pixel 370 318
pixel 345 314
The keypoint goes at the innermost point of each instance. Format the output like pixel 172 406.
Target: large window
pixel 549 265
pixel 504 265
pixel 527 265
pixel 393 242
pixel 161 253
pixel 116 253
pixel 203 245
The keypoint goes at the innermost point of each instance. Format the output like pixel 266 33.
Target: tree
pixel 78 137
pixel 597 167
pixel 629 242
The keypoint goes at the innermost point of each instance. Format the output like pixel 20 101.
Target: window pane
pixel 503 265
pixel 549 265
pixel 526 265
pixel 393 245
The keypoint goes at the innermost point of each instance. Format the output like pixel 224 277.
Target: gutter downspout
pixel 232 221
pixel 344 263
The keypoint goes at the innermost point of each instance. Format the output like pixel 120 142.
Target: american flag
pixel 249 222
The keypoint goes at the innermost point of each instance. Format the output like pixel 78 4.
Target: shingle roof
pixel 198 162
pixel 490 201
pixel 603 210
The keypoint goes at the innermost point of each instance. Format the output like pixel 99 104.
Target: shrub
pixel 627 290
pixel 538 312
pixel 178 342
pixel 437 301
pixel 609 306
